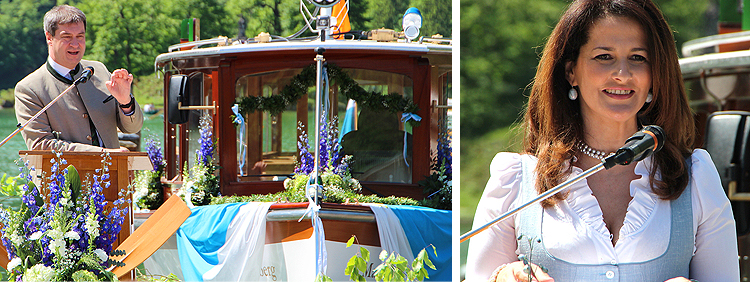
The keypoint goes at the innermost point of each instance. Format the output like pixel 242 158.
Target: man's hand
pixel 119 86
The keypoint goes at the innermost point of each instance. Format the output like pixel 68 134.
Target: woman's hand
pixel 513 272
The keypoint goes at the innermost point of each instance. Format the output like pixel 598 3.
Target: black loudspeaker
pixel 179 92
pixel 728 142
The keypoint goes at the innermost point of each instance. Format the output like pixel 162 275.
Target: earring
pixel 573 94
pixel 649 97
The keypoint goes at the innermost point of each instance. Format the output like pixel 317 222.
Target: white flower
pixel 35 236
pixel 55 234
pixel 92 227
pixel 57 245
pixel 17 239
pixel 63 201
pixel 72 235
pixel 16 261
pixel 39 272
pixel 101 254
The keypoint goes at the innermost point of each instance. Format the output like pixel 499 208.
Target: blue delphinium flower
pixel 61 229
pixel 153 148
pixel 306 163
pixel 206 151
pixel 202 179
pixel 444 154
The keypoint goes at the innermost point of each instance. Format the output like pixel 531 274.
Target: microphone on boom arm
pixel 643 143
pixel 85 75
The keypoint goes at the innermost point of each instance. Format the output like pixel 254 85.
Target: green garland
pixel 275 104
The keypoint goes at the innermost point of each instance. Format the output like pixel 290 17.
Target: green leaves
pixel 394 267
pixel 321 278
pixel 9 186
pixel 73 182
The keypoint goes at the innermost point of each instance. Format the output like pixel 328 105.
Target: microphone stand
pixel 21 127
pixel 606 163
pixel 538 199
pixel 642 144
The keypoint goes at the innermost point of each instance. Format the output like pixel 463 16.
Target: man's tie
pixel 94 135
pixel 73 72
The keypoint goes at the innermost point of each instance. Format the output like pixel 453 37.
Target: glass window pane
pixel 375 138
pixel 201 84
pixel 267 145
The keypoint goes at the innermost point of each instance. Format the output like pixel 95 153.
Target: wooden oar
pixel 151 234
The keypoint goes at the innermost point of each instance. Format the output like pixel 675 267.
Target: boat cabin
pixel 258 151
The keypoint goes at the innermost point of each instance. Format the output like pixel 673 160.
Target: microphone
pixel 85 75
pixel 643 143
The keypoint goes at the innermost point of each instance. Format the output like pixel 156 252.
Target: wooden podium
pixel 120 173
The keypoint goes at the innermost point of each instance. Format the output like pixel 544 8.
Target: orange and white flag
pixel 341 12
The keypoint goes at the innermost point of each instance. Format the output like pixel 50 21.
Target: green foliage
pixel 499 57
pixel 156 278
pixel 436 16
pixel 84 275
pixel 277 17
pixel 131 33
pixel 297 195
pixel 385 13
pixel 147 89
pixel 323 278
pixel 296 88
pixel 128 34
pixel 23 43
pixel 11 186
pixel 147 184
pixel 7 94
pixel 394 267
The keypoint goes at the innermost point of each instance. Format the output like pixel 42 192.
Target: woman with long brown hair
pixel 608 68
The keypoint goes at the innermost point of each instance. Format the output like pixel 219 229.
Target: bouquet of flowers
pixel 201 181
pixel 148 187
pixel 439 185
pixel 335 174
pixel 66 233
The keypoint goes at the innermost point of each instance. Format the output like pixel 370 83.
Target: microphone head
pixel 658 134
pixel 85 75
pixel 642 144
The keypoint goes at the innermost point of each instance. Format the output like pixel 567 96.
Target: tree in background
pixel 277 17
pixel 436 16
pixel 130 34
pixel 23 46
pixel 499 45
pixel 384 13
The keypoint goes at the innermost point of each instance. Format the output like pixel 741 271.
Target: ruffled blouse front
pixel 575 231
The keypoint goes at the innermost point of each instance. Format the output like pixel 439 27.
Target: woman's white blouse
pixel 575 230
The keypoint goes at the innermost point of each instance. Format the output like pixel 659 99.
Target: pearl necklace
pixel 591 152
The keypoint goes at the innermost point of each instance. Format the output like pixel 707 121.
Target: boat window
pixel 200 83
pixel 446 98
pixel 267 145
pixel 717 93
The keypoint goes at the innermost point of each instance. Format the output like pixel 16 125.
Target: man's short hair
pixel 63 14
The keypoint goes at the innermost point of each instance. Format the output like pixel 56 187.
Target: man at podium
pixel 84 120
